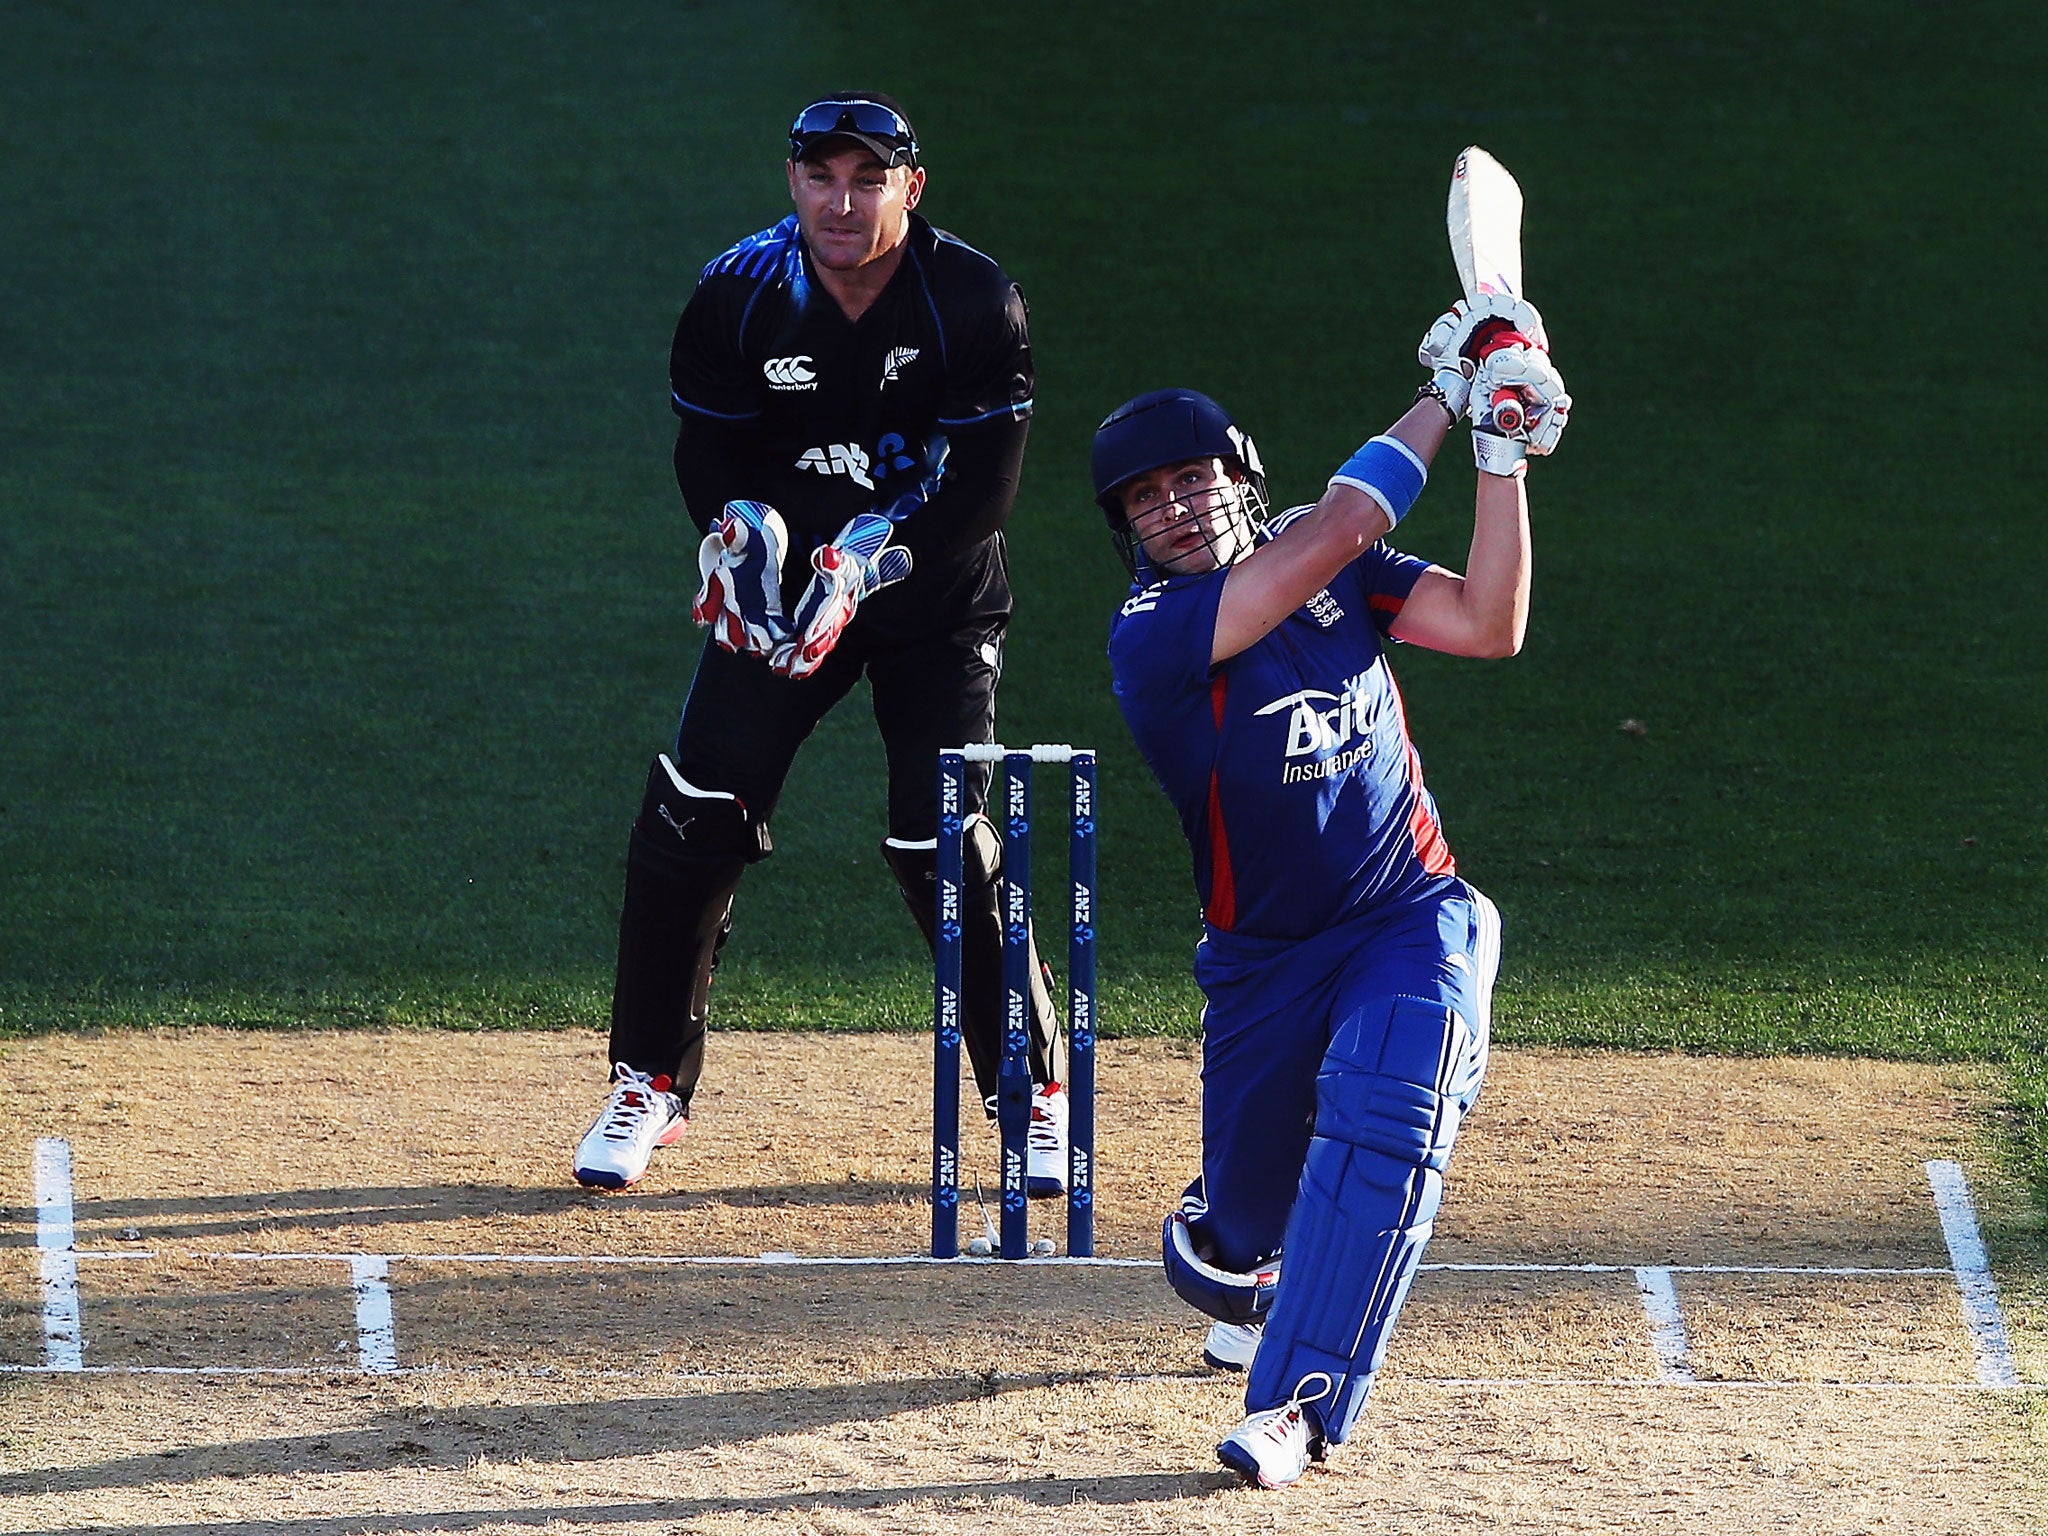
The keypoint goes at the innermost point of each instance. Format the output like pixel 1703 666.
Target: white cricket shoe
pixel 1045 1166
pixel 640 1115
pixel 1231 1346
pixel 1274 1446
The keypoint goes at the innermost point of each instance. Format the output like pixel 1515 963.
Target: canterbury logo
pixel 790 373
pixel 898 359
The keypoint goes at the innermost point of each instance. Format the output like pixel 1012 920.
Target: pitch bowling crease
pixel 66 1338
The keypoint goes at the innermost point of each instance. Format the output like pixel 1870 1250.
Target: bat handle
pixel 1508 415
pixel 1507 405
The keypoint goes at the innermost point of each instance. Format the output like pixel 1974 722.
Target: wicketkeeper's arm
pixel 983 465
pixel 711 467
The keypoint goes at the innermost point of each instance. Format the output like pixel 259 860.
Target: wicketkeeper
pixel 854 389
pixel 1347 970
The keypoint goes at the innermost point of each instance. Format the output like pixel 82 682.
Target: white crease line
pixel 803 1261
pixel 1663 1384
pixel 63 1336
pixel 1667 1323
pixel 1995 1365
pixel 1650 1383
pixel 716 1261
pixel 376 1338
pixel 183 1370
pixel 480 1373
pixel 1700 1269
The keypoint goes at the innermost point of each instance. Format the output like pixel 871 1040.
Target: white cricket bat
pixel 1484 218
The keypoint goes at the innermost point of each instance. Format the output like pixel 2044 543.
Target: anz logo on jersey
pixel 848 459
pixel 892 458
pixel 1333 731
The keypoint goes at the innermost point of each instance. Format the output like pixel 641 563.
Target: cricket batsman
pixel 1347 969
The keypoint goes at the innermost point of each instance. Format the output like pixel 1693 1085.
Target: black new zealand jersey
pixel 824 417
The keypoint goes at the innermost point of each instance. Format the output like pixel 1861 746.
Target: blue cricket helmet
pixel 1167 426
pixel 1176 426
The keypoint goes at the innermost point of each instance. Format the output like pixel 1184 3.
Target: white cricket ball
pixel 979 1248
pixel 1042 1249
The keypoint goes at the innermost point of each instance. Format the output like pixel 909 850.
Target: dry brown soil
pixel 586 1397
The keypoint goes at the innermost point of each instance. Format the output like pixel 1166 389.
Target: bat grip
pixel 1507 405
pixel 1494 335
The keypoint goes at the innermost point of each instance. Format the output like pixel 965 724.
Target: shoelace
pixel 1287 1416
pixel 632 1102
pixel 1045 1132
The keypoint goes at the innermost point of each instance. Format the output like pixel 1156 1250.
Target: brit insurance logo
pixel 1328 734
pixel 790 373
pixel 898 359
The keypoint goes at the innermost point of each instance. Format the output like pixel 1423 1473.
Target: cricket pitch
pixel 335 1283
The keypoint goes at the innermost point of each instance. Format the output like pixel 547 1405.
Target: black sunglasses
pixel 864 120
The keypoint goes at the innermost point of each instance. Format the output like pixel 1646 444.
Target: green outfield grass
pixel 343 583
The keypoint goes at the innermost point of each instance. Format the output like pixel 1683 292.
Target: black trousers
pixel 742 724
pixel 740 731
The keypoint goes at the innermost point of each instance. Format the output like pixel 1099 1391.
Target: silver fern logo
pixel 898 359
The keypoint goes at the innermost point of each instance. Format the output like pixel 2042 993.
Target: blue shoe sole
pixel 1240 1461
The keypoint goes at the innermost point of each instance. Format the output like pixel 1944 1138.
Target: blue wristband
pixel 1388 471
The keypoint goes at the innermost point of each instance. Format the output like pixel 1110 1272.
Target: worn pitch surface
pixel 634 1397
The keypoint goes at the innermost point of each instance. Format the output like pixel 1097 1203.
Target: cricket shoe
pixel 1232 1346
pixel 1274 1446
pixel 640 1115
pixel 1045 1166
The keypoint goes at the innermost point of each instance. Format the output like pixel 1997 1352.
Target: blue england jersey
pixel 1290 764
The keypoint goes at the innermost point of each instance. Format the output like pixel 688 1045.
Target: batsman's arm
pixel 1484 612
pixel 1282 574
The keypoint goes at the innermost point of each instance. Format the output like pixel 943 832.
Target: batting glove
pixel 1519 409
pixel 740 560
pixel 1466 333
pixel 853 566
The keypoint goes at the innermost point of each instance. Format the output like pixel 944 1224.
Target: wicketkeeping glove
pixel 1466 333
pixel 1531 380
pixel 853 566
pixel 740 601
